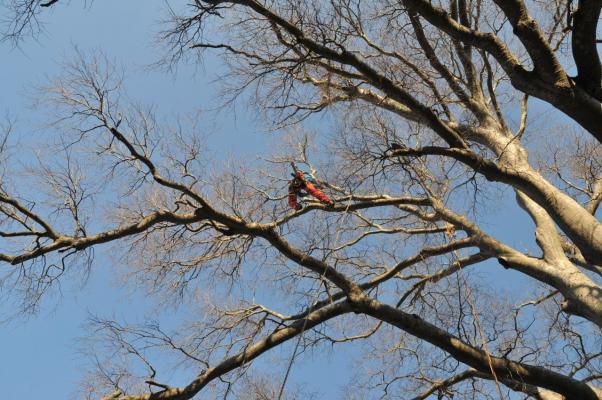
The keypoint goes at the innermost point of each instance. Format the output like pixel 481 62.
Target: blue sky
pixel 41 348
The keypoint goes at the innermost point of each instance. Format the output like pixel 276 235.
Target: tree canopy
pixel 428 122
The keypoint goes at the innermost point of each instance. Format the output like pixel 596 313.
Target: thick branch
pixel 250 353
pixel 62 243
pixel 573 100
pixel 583 228
pixel 49 3
pixel 471 356
pixel 585 52
pixel 527 30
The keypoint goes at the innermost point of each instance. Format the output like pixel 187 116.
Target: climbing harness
pixel 303 185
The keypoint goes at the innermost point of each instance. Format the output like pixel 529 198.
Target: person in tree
pixel 300 186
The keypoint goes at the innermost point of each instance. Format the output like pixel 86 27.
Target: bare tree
pixel 431 103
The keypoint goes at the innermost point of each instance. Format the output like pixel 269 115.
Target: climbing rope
pixel 450 231
pixel 313 304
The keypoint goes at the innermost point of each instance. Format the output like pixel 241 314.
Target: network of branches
pixel 433 113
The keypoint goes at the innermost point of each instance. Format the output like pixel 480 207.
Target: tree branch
pixel 585 52
pixel 477 359
pixel 247 355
